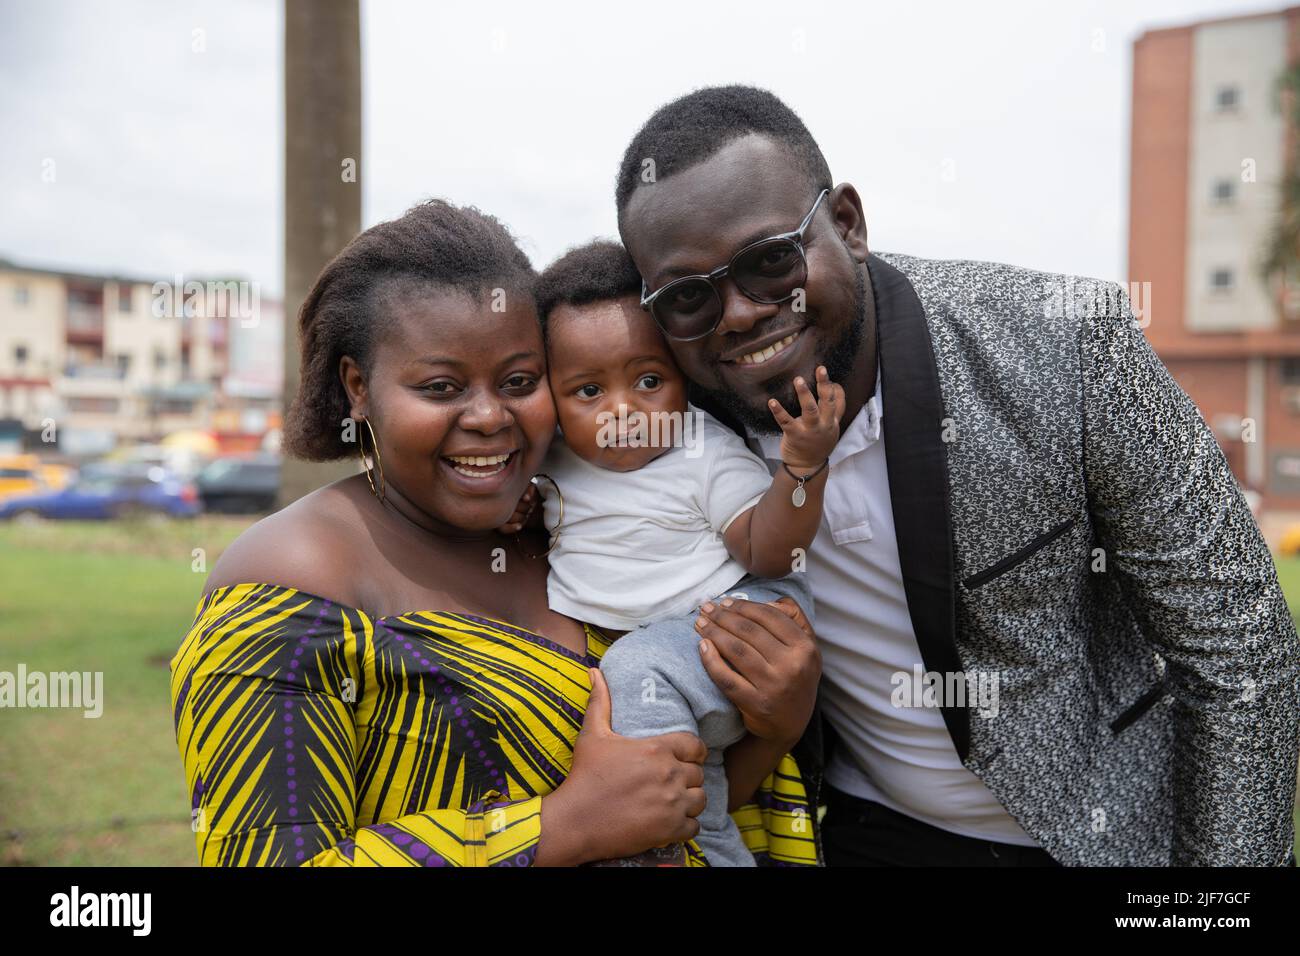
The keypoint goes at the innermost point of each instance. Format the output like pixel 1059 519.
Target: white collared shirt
pixel 902 757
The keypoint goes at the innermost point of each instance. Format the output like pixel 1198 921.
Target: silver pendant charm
pixel 799 496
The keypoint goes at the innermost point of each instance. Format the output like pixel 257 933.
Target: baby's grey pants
pixel 658 685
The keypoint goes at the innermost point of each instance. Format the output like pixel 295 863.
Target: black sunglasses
pixel 768 271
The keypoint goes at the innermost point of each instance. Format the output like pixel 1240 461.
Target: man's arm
pixel 1200 580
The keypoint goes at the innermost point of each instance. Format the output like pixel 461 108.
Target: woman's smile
pixel 484 474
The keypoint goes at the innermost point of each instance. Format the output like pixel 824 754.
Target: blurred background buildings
pixel 111 360
pixel 1209 150
pixel 1000 166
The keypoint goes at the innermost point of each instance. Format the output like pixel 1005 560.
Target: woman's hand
pixel 623 795
pixel 764 657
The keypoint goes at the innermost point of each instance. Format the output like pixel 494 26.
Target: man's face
pixel 696 220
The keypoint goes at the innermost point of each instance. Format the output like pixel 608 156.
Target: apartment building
pixel 108 359
pixel 1210 146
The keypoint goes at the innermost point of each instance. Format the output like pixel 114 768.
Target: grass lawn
pixel 117 598
pixel 1288 574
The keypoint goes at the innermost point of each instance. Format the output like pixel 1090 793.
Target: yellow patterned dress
pixel 313 735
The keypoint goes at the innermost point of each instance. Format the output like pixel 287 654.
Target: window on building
pixel 20 355
pixel 1291 371
pixel 123 297
pixel 80 403
pixel 159 359
pixel 21 295
pixel 1221 280
pixel 1227 98
pixel 1225 190
pixel 123 366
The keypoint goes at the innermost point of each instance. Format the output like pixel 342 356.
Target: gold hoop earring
pixel 553 537
pixel 376 490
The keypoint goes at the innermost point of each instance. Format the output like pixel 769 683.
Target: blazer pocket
pixel 1009 562
pixel 1138 708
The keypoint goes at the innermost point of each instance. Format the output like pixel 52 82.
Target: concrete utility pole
pixel 322 188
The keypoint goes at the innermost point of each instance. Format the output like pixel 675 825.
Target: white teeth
pixel 479 460
pixel 495 462
pixel 762 355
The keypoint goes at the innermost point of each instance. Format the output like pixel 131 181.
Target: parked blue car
pixel 111 492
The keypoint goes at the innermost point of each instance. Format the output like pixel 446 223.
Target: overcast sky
pixel 986 131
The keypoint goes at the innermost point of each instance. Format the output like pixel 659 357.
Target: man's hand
pixel 808 440
pixel 792 609
pixel 764 657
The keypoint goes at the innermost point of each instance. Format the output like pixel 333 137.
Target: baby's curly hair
pixel 434 243
pixel 596 272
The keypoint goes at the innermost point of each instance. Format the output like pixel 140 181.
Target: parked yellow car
pixel 20 475
pixel 1290 543
pixel 56 477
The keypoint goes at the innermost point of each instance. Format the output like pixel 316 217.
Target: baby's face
pixel 604 355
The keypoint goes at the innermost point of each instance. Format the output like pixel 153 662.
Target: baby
pixel 664 509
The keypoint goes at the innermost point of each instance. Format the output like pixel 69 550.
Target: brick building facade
pixel 1209 149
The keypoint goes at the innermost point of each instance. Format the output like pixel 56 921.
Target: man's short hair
pixel 596 272
pixel 692 128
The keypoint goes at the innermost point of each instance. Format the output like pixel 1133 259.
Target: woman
pixel 367 681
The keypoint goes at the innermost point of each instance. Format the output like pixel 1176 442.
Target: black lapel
pixel 917 462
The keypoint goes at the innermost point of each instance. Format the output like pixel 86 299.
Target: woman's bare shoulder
pixel 310 545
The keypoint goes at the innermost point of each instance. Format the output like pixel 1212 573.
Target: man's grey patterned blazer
pixel 1066 520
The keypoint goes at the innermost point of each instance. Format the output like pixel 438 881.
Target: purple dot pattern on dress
pixel 504 723
pixel 447 687
pixel 287 720
pixel 482 743
pixel 412 847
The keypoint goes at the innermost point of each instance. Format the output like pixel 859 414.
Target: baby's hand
pixel 808 440
pixel 523 511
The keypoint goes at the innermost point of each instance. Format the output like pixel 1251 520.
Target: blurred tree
pixel 1281 263
pixel 322 167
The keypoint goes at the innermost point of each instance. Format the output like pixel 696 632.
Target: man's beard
pixel 839 363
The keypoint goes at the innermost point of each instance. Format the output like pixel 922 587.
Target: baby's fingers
pixel 825 390
pixel 806 400
pixel 827 394
pixel 780 414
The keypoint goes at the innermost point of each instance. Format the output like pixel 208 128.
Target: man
pixel 1050 630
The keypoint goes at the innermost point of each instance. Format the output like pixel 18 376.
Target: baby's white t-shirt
pixel 641 545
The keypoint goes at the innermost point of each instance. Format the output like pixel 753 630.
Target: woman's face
pixel 458 399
